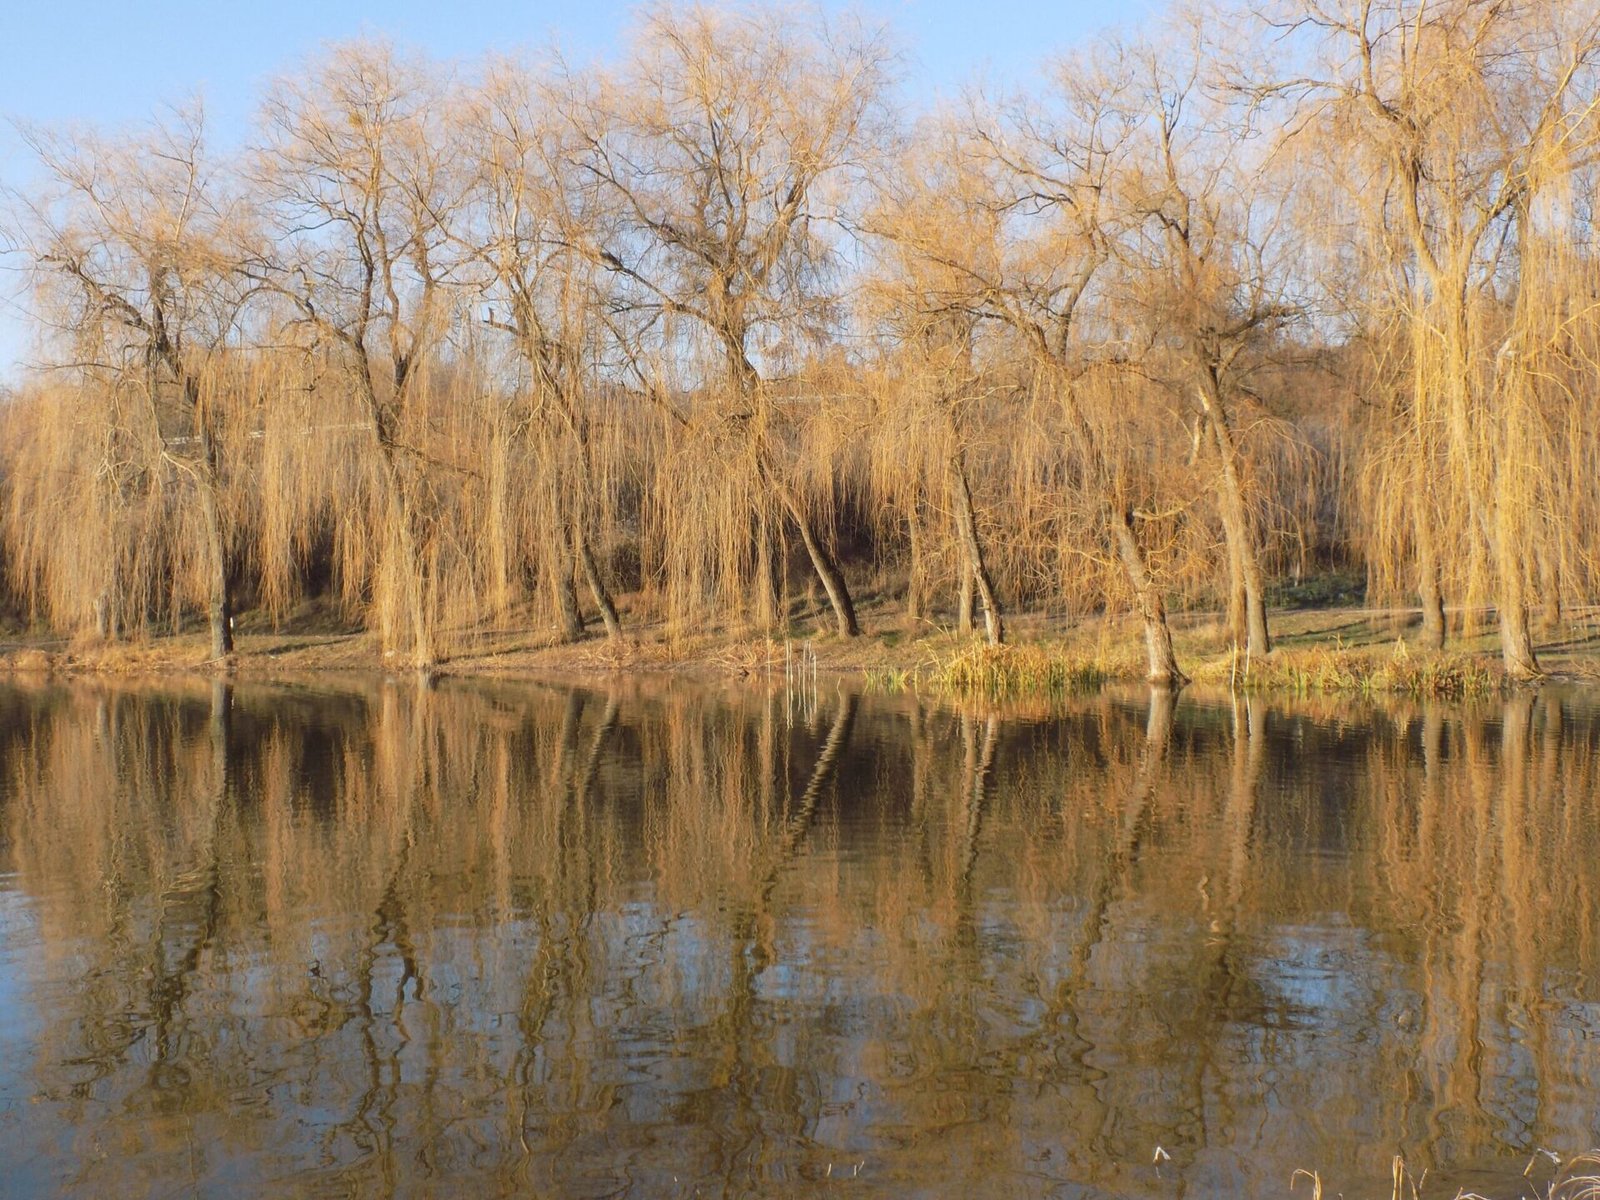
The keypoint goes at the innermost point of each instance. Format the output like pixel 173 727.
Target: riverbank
pixel 1317 651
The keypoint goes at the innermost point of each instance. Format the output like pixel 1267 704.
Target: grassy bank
pixel 1039 668
pixel 1340 651
pixel 1331 652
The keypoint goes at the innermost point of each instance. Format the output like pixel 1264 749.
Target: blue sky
pixel 110 62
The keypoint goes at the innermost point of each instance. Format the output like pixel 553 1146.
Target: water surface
pixel 672 940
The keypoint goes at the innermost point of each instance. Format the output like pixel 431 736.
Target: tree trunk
pixel 1160 660
pixel 567 599
pixel 1428 590
pixel 597 585
pixel 964 598
pixel 219 599
pixel 1496 510
pixel 221 616
pixel 915 581
pixel 400 514
pixel 1235 609
pixel 978 571
pixel 747 383
pixel 422 655
pixel 832 580
pixel 1516 639
pixel 578 424
pixel 416 607
pixel 1236 524
pixel 780 572
pixel 766 607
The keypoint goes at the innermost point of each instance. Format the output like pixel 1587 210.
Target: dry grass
pixel 996 672
pixel 1334 670
pixel 1579 1178
pixel 1324 653
pixel 1576 1178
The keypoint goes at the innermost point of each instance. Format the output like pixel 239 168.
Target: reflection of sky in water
pixel 689 941
pixel 23 1170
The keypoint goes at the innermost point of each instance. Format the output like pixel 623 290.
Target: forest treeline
pixel 1270 292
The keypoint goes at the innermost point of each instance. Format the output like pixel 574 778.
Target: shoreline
pixel 1317 651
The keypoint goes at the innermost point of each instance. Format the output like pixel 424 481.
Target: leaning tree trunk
pixel 1236 526
pixel 747 381
pixel 573 555
pixel 832 579
pixel 1161 663
pixel 579 424
pixel 1160 660
pixel 567 596
pixel 977 569
pixel 597 584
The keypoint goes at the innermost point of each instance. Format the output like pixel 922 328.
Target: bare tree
pixel 1206 279
pixel 1459 106
pixel 715 144
pixel 549 292
pixel 926 215
pixel 138 256
pixel 1314 291
pixel 362 184
pixel 1037 225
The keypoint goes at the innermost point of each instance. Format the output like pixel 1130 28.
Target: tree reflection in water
pixel 529 939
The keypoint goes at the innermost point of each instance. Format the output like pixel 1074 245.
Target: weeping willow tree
pixel 1545 369
pixel 1207 282
pixel 125 481
pixel 934 396
pixel 547 290
pixel 925 452
pixel 362 182
pixel 1028 224
pixel 715 145
pixel 1459 114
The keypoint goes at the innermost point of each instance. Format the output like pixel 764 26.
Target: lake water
pixel 669 939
